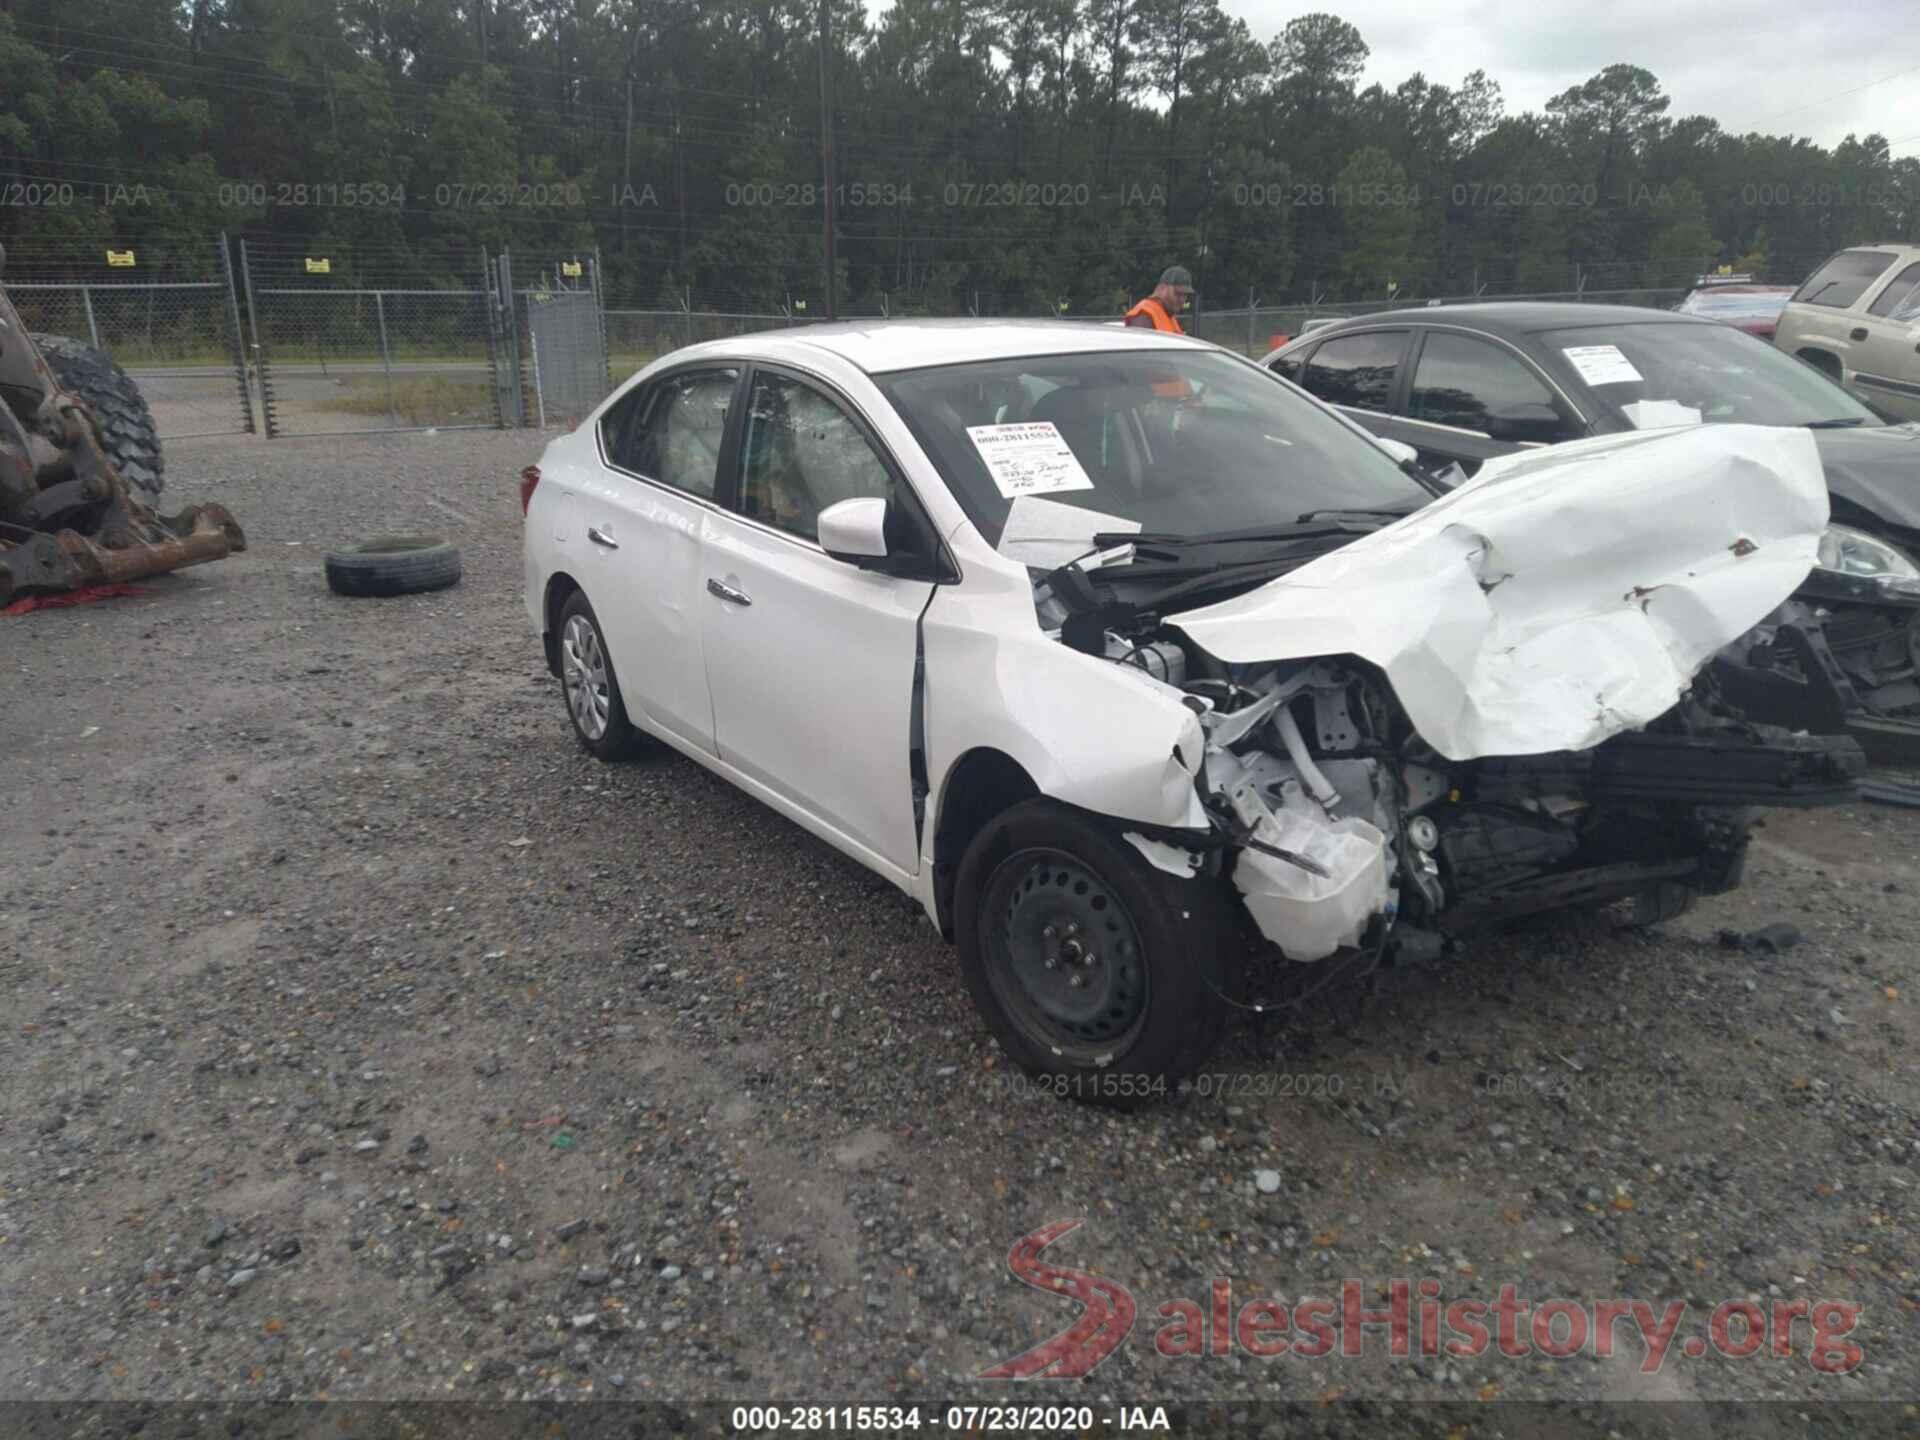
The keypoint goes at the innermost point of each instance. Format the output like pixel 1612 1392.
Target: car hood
pixel 1561 595
pixel 1876 469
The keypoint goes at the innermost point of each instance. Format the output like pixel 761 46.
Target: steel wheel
pixel 583 673
pixel 1065 955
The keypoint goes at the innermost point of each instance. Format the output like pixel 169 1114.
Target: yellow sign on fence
pixel 319 267
pixel 570 269
pixel 120 259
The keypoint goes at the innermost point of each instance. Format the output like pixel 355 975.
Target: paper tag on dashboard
pixel 1028 458
pixel 1047 534
pixel 1659 414
pixel 1602 364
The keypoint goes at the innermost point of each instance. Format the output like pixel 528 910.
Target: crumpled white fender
pixel 1562 595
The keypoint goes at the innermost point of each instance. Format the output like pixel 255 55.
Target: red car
pixel 1752 308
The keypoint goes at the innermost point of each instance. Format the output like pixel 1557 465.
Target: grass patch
pixel 415 399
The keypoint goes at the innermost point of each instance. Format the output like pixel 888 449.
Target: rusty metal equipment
pixel 67 517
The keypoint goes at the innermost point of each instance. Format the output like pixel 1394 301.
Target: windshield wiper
pixel 1302 528
pixel 1844 422
pixel 1396 511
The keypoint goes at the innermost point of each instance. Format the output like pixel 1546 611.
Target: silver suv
pixel 1858 318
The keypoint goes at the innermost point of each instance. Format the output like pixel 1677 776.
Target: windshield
pixel 1182 442
pixel 1724 375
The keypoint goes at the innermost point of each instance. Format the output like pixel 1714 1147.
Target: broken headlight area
pixel 1856 563
pixel 1343 829
pixel 1832 665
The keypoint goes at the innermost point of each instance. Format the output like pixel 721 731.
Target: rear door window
pixel 1357 370
pixel 1901 295
pixel 676 439
pixel 1844 278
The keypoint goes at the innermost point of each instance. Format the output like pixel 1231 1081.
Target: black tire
pixel 1656 904
pixel 619 738
pixel 120 414
pixel 1148 1010
pixel 394 565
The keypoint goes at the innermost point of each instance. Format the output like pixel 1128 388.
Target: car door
pixel 1472 397
pixel 810 659
pixel 1886 345
pixel 642 537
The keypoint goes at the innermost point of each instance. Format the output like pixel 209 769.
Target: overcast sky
pixel 1780 66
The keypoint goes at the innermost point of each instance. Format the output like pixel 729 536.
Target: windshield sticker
pixel 1659 414
pixel 1048 534
pixel 1602 364
pixel 1030 458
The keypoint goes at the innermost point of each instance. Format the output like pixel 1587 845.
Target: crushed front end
pixel 1345 826
pixel 1490 707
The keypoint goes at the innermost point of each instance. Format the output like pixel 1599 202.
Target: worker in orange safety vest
pixel 1160 310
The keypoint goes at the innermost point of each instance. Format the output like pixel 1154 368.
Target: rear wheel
pixel 1094 970
pixel 120 413
pixel 588 686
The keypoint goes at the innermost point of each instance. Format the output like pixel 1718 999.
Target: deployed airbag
pixel 1560 596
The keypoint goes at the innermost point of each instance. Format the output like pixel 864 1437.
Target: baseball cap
pixel 1177 275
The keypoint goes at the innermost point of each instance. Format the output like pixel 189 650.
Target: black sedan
pixel 1464 383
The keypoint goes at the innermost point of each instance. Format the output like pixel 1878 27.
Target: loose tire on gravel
pixel 591 690
pixel 127 431
pixel 394 565
pixel 1047 883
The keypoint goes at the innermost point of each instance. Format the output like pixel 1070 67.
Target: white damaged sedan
pixel 1118 652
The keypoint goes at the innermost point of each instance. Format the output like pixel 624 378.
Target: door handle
pixel 1857 334
pixel 727 593
pixel 600 537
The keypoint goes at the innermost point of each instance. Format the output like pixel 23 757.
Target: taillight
pixel 529 478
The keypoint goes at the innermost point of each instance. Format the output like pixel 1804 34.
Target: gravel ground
pixel 368 1041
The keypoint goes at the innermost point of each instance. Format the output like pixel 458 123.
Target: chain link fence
pixel 179 340
pixel 636 338
pixel 336 358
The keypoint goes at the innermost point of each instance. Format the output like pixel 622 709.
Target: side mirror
pixel 854 530
pixel 1398 451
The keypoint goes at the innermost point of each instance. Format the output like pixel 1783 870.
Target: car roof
pixel 1517 317
pixel 882 346
pixel 1905 248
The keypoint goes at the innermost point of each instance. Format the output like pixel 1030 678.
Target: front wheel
pixel 1095 971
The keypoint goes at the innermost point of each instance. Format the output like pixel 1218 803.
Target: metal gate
pixel 566 355
pixel 335 359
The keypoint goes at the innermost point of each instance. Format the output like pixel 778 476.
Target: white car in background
pixel 1154 680
pixel 1858 319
